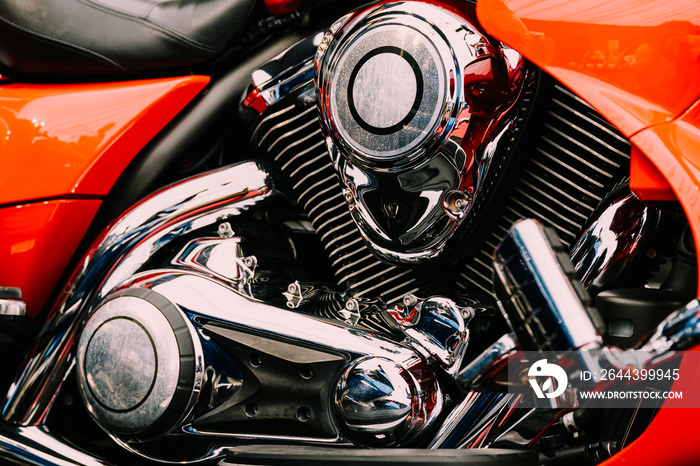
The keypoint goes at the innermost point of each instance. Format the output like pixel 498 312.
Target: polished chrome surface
pixel 220 257
pixel 473 414
pixel 294 66
pixel 388 89
pixel 436 327
pixel 609 243
pixel 129 365
pixel 378 396
pixel 39 445
pixel 679 331
pixel 479 373
pixel 217 304
pixel 413 117
pixel 547 312
pixel 116 255
pixel 12 308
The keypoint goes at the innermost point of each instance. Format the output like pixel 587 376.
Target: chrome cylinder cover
pixel 411 96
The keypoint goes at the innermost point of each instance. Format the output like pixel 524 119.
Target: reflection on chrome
pixel 610 242
pixel 435 326
pixel 117 254
pixel 530 277
pixel 38 445
pixel 405 104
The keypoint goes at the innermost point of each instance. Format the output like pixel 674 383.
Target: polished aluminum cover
pixel 413 100
pixel 388 93
pixel 137 369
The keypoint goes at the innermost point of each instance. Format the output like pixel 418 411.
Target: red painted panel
pixel 674 151
pixel 36 243
pixel 638 66
pixel 78 138
pixel 672 437
pixel 646 181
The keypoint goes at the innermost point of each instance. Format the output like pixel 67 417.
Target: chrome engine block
pixel 189 337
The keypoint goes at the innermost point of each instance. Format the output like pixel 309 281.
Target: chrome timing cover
pixel 413 100
pixel 140 364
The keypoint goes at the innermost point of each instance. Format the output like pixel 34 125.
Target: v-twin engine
pixel 202 319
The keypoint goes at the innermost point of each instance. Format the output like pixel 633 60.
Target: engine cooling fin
pixel 577 160
pixel 291 135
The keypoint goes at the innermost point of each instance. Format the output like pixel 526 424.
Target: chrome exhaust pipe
pixel 118 253
pixel 37 445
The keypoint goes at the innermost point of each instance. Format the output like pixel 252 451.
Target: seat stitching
pixel 174 33
pixel 63 43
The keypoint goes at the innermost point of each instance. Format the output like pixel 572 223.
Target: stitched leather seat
pixel 115 36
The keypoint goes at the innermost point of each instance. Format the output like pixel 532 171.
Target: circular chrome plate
pixel 135 364
pixel 121 349
pixel 375 397
pixel 387 92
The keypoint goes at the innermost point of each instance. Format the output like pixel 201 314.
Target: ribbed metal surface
pixel 292 136
pixel 577 160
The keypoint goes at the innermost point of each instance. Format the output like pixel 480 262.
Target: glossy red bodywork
pixel 63 147
pixel 639 66
pixel 673 150
pixel 38 242
pixel 636 64
pixel 78 138
pixel 281 7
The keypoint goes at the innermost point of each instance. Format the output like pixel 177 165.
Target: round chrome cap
pixel 136 364
pixel 384 85
pixel 376 397
pixel 122 349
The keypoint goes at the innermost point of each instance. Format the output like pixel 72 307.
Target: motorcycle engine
pixel 409 141
pixel 412 139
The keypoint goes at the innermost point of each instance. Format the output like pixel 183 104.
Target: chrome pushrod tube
pixel 119 252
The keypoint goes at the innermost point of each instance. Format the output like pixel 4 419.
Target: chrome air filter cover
pixel 389 94
pixel 410 95
pixel 383 83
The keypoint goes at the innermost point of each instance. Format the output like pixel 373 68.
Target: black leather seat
pixel 115 36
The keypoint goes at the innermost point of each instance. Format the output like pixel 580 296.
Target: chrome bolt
pixel 249 261
pixel 456 203
pixel 410 300
pixel 225 230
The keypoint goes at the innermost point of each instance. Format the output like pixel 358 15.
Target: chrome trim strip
pixel 116 255
pixel 37 445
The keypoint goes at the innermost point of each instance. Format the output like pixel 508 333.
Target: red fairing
pixel 77 139
pixel 38 242
pixel 63 148
pixel 638 66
